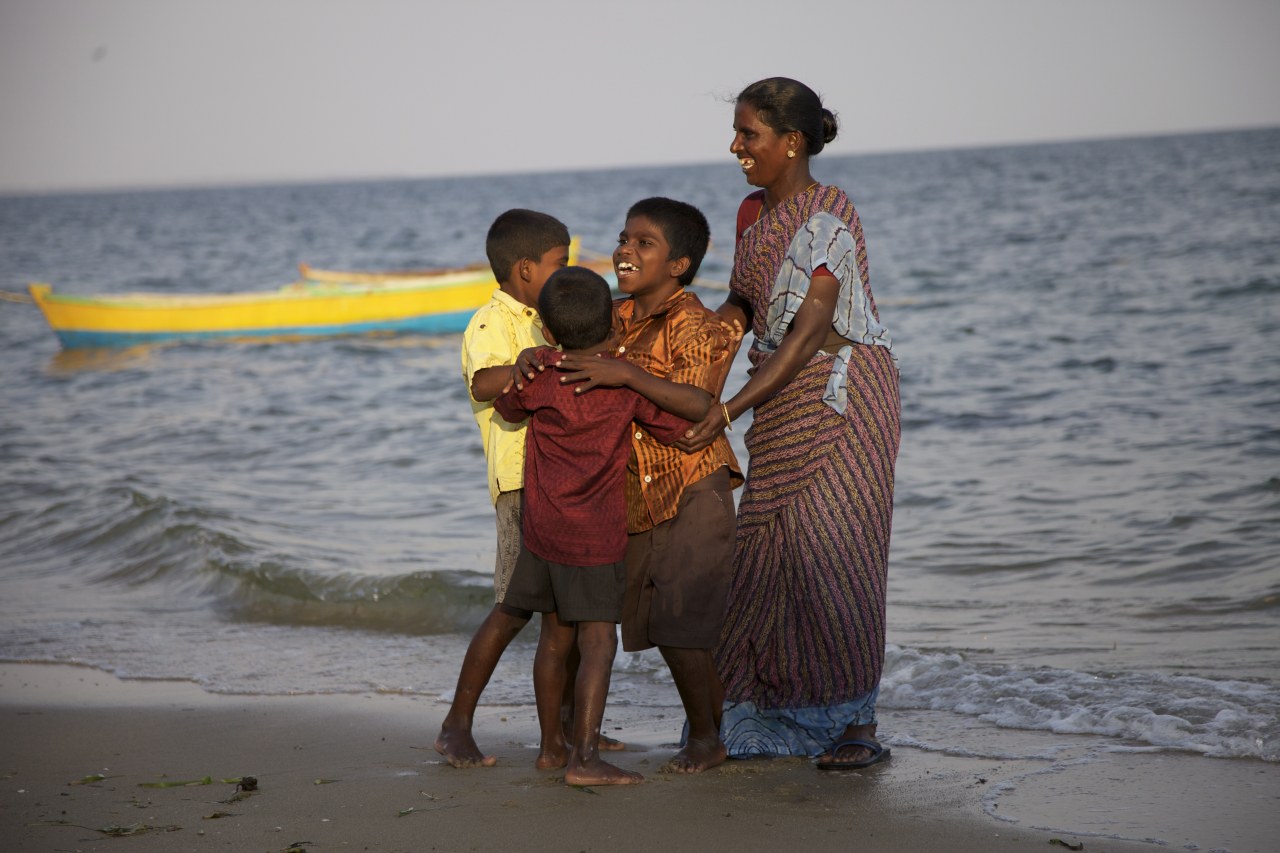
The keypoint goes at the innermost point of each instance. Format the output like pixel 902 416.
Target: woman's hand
pixel 588 371
pixel 704 431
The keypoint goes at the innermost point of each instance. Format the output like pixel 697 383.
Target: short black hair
pixel 521 233
pixel 788 105
pixel 576 307
pixel 683 225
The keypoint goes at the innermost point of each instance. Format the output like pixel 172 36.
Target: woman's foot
pixel 856 748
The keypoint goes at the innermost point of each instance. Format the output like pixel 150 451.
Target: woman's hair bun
pixel 830 126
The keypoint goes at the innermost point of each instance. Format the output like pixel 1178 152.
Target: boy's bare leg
pixel 598 642
pixel 703 697
pixel 607 743
pixel 554 644
pixel 491 639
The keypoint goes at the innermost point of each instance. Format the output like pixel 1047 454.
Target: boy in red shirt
pixel 571 565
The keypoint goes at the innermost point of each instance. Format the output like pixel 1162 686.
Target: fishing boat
pixel 323 276
pixel 323 302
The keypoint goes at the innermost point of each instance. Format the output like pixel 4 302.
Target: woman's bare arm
pixel 808 332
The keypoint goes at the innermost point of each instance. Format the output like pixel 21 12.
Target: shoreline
pixel 358 772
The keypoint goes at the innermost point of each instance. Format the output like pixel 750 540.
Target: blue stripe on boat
pixel 430 324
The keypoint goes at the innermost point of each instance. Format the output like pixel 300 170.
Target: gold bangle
pixel 728 421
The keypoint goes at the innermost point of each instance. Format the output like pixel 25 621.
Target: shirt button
pixel 639 435
pixel 648 479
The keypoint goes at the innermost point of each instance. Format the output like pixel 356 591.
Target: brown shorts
pixel 678 573
pixel 573 593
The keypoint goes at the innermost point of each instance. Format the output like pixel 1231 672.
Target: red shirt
pixel 576 451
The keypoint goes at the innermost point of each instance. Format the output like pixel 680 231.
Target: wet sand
pixel 359 773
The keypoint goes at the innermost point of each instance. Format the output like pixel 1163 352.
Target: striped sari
pixel 803 643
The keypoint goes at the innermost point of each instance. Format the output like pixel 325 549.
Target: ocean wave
pixel 414 604
pixel 116 534
pixel 1217 606
pixel 1258 286
pixel 1224 719
pixel 126 539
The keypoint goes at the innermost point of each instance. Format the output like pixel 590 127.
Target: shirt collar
pixel 515 306
pixel 627 308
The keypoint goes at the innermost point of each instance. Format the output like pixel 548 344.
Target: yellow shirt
pixel 494 337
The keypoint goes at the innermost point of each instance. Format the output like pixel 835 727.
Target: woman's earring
pixel 791 154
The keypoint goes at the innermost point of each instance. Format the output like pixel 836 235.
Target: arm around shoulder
pixel 686 401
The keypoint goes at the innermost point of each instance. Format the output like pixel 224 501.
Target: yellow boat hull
pixel 324 303
pixel 300 309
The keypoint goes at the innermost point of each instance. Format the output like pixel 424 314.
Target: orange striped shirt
pixel 682 342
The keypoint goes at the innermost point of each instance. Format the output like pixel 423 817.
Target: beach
pixel 282 548
pixel 85 755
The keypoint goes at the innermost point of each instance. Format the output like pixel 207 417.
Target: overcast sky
pixel 132 93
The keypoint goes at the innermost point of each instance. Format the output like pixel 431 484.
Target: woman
pixel 803 645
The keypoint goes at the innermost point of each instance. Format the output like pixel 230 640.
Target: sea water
pixel 1087 523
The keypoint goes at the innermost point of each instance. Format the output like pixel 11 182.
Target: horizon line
pixel 264 183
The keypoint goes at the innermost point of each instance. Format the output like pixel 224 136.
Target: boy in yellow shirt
pixel 524 248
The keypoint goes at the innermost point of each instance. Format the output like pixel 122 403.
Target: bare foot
pixel 598 772
pixel 460 750
pixel 552 757
pixel 697 756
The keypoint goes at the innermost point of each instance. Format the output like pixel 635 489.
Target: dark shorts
pixel 573 593
pixel 678 573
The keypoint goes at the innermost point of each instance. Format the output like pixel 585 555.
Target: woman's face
pixel 761 152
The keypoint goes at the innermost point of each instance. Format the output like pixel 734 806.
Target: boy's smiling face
pixel 642 260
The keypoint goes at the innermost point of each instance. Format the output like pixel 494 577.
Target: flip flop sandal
pixel 878 753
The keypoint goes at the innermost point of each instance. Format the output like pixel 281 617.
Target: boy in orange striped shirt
pixel 680 510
